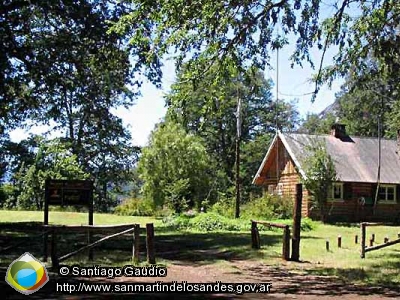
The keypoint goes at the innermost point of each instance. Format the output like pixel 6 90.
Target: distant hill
pixel 330 109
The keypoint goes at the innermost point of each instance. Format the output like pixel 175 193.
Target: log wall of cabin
pixel 351 210
pixel 289 177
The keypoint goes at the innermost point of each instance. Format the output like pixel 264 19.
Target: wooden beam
pixel 376 247
pixel 151 259
pixel 297 223
pixel 136 244
pixel 92 228
pixel 282 226
pixel 255 236
pixel 363 233
pixel 374 224
pixel 286 243
pixel 62 258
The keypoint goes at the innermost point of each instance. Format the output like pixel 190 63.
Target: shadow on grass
pixel 383 274
pixel 323 282
pixel 185 247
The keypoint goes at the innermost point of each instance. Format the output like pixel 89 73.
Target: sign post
pixel 67 193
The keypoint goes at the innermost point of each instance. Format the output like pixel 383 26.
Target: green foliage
pixel 205 222
pixel 211 221
pixel 320 173
pixel 225 206
pixel 268 207
pixel 135 207
pixel 315 124
pixel 53 160
pixel 61 64
pixel 207 108
pixel 7 195
pixel 243 33
pixel 175 169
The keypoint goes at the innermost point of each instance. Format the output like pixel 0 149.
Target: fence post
pixel 363 240
pixel 356 239
pixel 327 245
pixel 286 243
pixel 150 243
pixel 54 258
pixel 136 242
pixel 339 241
pixel 255 236
pixel 297 223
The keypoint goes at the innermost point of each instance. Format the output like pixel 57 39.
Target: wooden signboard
pixel 68 192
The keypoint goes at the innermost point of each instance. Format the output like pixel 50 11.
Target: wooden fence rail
pixel 135 228
pixel 364 248
pixel 255 236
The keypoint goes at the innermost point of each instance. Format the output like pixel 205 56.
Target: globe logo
pixel 26 274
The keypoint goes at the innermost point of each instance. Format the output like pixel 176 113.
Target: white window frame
pixel 386 201
pixel 331 195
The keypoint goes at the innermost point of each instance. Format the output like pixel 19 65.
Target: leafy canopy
pixel 320 173
pixel 175 168
pixel 243 33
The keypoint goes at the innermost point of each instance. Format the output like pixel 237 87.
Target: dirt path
pixel 286 284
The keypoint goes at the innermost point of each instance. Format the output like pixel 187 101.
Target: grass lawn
pixel 379 267
pixel 73 218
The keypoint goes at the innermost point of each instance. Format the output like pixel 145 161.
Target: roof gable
pixel 355 158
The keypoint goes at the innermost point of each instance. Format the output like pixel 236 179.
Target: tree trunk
pixel 322 213
pixel 237 208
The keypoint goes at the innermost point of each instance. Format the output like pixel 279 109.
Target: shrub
pixel 135 207
pixel 211 221
pixel 269 207
pixel 178 222
pixel 225 206
pixel 206 222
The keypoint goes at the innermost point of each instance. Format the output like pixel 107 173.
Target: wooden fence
pixel 55 230
pixel 255 236
pixel 364 248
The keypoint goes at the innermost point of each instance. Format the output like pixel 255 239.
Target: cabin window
pixel 279 189
pixel 337 191
pixel 387 193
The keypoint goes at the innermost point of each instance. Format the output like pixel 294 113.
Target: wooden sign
pixel 68 192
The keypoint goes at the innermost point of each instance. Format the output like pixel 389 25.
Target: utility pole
pixel 237 159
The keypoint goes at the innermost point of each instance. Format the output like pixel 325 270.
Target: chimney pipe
pixel 338 130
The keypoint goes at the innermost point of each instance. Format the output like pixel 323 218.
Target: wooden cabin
pixel 356 159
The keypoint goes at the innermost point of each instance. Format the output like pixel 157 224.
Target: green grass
pixel 73 218
pixel 379 267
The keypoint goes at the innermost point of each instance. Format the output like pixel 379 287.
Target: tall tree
pixel 243 32
pixel 176 169
pixel 52 160
pixel 208 108
pixel 61 64
pixel 320 174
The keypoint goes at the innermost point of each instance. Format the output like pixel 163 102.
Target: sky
pixel 149 108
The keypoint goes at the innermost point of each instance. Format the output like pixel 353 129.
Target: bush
pixel 135 207
pixel 269 207
pixel 7 199
pixel 306 224
pixel 206 222
pixel 225 206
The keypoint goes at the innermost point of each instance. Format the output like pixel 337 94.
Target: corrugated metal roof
pixel 355 158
